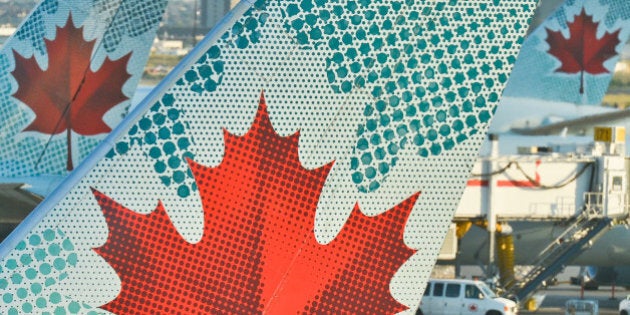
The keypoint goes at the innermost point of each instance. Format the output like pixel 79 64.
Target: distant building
pixel 212 11
pixel 169 47
pixel 7 30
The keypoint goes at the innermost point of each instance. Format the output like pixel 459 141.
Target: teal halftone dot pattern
pixel 34 29
pixel 207 73
pixel 537 74
pixel 430 94
pixel 147 163
pixel 28 281
pixel 246 32
pixel 561 15
pixel 618 11
pixel 128 18
pixel 164 131
pixel 9 113
pixel 120 28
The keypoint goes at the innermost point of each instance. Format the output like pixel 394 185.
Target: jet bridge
pixel 587 188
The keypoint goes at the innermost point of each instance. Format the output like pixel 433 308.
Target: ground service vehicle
pixel 624 306
pixel 463 297
pixel 582 307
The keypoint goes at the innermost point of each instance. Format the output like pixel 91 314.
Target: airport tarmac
pixel 556 297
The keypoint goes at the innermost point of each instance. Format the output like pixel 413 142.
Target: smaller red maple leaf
pixel 258 253
pixel 582 51
pixel 68 95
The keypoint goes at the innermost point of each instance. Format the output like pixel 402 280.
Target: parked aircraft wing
pixel 580 126
pixel 307 156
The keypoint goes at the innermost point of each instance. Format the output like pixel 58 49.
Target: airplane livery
pixel 67 76
pixel 566 65
pixel 305 157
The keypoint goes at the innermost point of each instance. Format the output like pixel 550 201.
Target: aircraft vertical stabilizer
pixel 566 62
pixel 67 76
pixel 306 157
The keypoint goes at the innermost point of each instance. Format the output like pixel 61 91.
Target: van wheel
pixel 493 313
pixel 623 313
pixel 419 312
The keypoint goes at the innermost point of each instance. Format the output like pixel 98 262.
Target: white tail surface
pixel 307 156
pixel 566 64
pixel 67 75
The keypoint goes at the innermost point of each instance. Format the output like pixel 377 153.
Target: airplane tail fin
pixel 67 76
pixel 571 56
pixel 306 157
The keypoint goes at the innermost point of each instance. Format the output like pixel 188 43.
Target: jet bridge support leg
pixel 461 228
pixel 505 253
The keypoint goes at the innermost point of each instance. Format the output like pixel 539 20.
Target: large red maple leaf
pixel 582 51
pixel 258 253
pixel 68 95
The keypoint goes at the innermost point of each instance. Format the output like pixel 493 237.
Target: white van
pixel 624 306
pixel 463 297
pixel 582 307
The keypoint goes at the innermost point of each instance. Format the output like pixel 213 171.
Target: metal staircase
pixel 585 229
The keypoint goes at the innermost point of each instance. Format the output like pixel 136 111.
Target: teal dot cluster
pixel 207 73
pixel 8 111
pixel 617 10
pixel 431 67
pixel 37 264
pixel 246 31
pixel 34 29
pixel 128 18
pixel 163 132
pixel 561 15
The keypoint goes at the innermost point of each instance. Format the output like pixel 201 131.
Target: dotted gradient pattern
pixel 167 140
pixel 26 153
pixel 207 73
pixel 166 137
pixel 34 29
pixel 561 15
pixel 617 10
pixel 274 232
pixel 46 257
pixel 194 173
pixel 128 18
pixel 614 11
pixel 536 76
pixel 431 93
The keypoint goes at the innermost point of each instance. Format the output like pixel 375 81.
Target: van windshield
pixel 486 290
